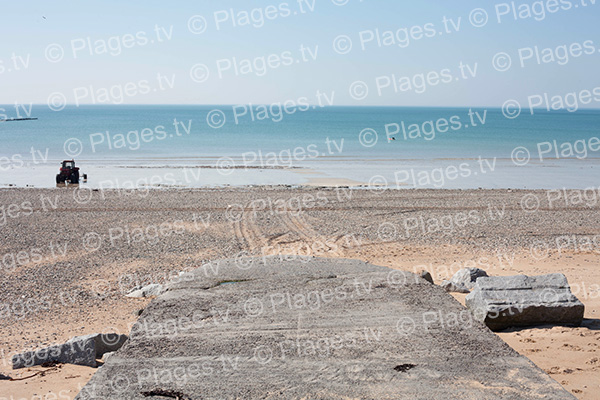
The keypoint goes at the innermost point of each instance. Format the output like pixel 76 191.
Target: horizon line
pixel 277 103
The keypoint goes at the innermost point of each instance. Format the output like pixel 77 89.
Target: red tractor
pixel 69 172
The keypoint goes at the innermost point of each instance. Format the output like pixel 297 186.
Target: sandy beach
pixel 70 256
pixel 300 145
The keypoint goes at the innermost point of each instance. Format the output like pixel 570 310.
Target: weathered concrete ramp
pixel 313 329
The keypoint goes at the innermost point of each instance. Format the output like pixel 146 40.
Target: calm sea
pixel 219 145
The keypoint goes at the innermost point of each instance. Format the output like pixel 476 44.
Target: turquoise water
pixel 325 140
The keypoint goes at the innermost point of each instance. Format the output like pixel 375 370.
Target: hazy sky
pixel 402 52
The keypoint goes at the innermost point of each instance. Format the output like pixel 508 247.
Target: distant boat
pixel 17 119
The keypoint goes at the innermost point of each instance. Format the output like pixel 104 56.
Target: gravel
pixel 47 231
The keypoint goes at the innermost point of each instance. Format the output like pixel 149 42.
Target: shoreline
pixel 463 173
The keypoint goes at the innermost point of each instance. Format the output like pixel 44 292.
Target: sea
pixel 186 146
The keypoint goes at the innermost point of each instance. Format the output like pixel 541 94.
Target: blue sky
pixel 27 75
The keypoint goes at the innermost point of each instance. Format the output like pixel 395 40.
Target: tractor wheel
pixel 74 178
pixel 58 178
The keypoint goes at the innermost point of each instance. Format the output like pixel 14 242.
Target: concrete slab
pixel 505 301
pixel 313 329
pixel 78 352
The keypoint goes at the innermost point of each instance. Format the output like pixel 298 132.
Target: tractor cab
pixel 68 164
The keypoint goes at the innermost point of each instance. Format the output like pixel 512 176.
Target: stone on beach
pixel 467 277
pixel 426 275
pixel 105 342
pixel 154 289
pixel 505 301
pixel 106 356
pixel 450 287
pixel 79 352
